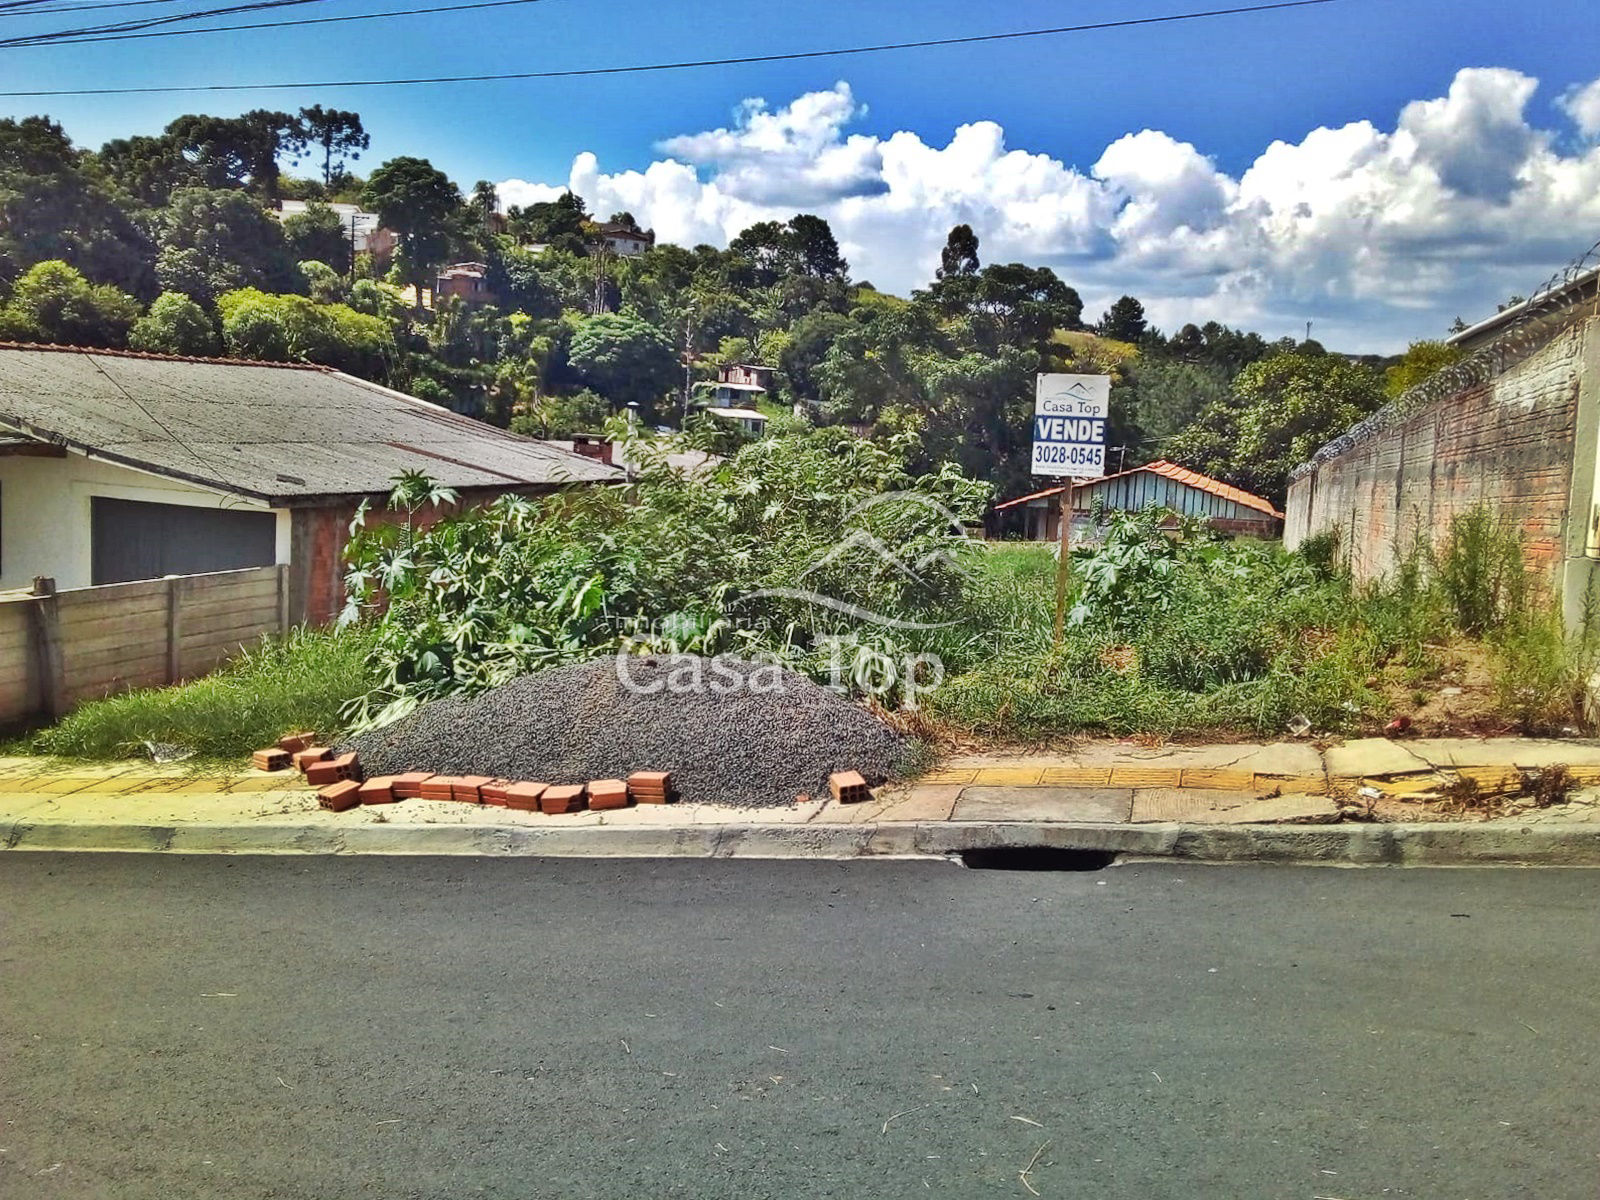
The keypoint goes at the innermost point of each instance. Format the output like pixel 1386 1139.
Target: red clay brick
pixel 848 787
pixel 494 792
pixel 293 743
pixel 562 799
pixel 524 797
pixel 651 787
pixel 409 785
pixel 270 759
pixel 440 787
pixel 341 795
pixel 608 793
pixel 311 754
pixel 469 788
pixel 349 766
pixel 379 790
pixel 319 773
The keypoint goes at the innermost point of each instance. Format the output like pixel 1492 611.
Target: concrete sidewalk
pixel 1241 802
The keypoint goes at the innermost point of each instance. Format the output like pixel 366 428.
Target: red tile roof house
pixel 1155 485
pixel 118 466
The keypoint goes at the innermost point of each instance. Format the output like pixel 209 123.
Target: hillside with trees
pixel 170 244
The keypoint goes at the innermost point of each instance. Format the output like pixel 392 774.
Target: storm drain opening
pixel 1036 858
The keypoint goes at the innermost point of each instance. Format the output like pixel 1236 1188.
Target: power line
pixel 147 22
pixel 396 12
pixel 26 8
pixel 672 66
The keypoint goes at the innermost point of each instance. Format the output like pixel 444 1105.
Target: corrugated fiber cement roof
pixel 272 431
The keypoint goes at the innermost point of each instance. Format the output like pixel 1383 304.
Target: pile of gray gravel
pixel 730 731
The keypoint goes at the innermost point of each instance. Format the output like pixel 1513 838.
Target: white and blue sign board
pixel 1069 425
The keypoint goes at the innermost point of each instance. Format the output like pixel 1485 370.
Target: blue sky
pixel 1227 87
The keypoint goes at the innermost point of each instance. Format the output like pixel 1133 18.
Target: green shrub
pixel 727 559
pixel 175 324
pixel 1540 675
pixel 298 682
pixel 1324 553
pixel 1480 571
pixel 284 328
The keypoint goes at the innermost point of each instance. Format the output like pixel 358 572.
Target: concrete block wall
pixel 1522 443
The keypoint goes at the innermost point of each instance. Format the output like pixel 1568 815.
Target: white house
pixel 626 241
pixel 733 402
pixel 359 226
pixel 116 466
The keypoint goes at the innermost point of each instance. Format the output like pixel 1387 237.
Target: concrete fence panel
pixel 58 649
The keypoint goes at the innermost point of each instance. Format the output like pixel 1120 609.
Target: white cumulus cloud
pixel 1582 104
pixel 1377 235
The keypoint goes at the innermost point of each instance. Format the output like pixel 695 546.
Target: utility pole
pixel 688 359
pixel 600 277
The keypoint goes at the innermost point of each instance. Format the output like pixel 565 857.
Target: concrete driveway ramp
pixel 981 803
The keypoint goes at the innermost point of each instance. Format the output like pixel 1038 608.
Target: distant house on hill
pixel 626 241
pixel 117 466
pixel 360 227
pixel 747 373
pixel 468 281
pixel 1155 485
pixel 734 394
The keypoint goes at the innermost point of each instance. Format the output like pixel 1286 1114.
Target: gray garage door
pixel 130 539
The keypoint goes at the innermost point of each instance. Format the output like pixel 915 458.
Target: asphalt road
pixel 445 1028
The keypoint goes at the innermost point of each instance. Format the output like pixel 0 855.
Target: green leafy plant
pixel 785 547
pixel 1480 571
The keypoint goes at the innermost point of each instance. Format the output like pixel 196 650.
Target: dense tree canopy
pixel 1278 412
pixel 211 240
pixel 319 234
pixel 568 330
pixel 52 207
pixel 418 202
pixel 51 302
pixel 624 359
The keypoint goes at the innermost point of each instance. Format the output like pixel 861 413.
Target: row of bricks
pixel 645 787
pixel 652 787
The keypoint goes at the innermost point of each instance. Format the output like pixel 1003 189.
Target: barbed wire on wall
pixel 1543 315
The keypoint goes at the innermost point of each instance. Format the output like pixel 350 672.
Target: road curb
pixel 1570 845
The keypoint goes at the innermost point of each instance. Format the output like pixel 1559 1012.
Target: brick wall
pixel 317 540
pixel 1511 442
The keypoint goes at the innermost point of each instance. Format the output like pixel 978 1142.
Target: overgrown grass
pixel 1183 635
pixel 1171 633
pixel 298 682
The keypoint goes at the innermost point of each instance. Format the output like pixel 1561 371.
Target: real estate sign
pixel 1069 425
